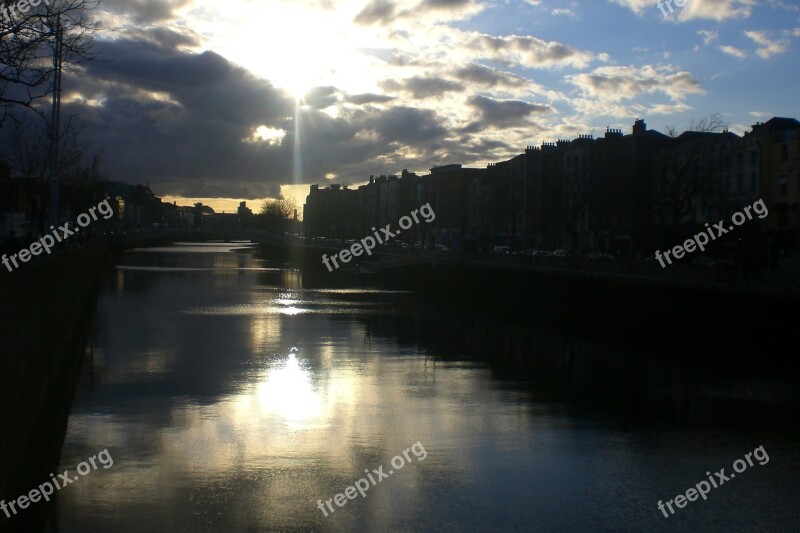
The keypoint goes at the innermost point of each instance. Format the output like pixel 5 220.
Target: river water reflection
pixel 233 394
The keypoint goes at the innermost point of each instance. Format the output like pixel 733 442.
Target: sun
pixel 295 46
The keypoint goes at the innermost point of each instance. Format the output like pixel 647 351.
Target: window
pixel 739 180
pixel 753 187
pixel 753 157
pixel 783 184
pixel 785 152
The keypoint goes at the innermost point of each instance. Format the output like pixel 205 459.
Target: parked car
pixel 501 250
pixel 561 253
pixel 442 248
pixel 542 253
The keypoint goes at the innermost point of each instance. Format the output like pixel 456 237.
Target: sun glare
pixel 295 46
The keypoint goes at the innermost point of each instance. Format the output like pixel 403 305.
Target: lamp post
pixel 55 125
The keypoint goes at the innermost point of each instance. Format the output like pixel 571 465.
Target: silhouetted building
pixel 137 204
pixel 621 193
pixel 775 153
pixel 446 188
pixel 331 212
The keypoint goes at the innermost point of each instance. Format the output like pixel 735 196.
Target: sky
pixel 251 99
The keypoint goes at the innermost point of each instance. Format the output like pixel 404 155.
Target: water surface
pixel 233 394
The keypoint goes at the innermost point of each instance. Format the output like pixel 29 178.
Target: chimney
pixel 639 127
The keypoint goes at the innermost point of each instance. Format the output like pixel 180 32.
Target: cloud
pixel 423 87
pixel 368 98
pixel 197 125
pixel 146 11
pixel 637 6
pixel 619 83
pixel 708 36
pixel 388 84
pixel 769 45
pixel 780 4
pixel 563 12
pixel 505 113
pixel 525 51
pixel 321 97
pixel 733 51
pixel 403 124
pixel 385 12
pixel 489 77
pixel 377 12
pixel 718 10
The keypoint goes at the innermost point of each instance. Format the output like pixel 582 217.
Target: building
pixel 446 189
pixel 332 212
pixel 774 153
pixel 627 194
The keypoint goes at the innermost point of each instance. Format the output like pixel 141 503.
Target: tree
pixel 713 123
pixel 26 150
pixel 689 171
pixel 275 215
pixel 27 43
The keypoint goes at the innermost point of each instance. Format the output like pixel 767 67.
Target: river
pixel 233 394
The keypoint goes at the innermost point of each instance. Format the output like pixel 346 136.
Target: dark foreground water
pixel 233 395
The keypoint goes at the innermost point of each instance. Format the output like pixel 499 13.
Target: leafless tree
pixel 713 123
pixel 689 171
pixel 671 130
pixel 275 215
pixel 26 150
pixel 688 176
pixel 26 48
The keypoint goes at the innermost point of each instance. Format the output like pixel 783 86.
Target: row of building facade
pixel 24 207
pixel 622 193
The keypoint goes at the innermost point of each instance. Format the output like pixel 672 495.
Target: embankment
pixel 44 320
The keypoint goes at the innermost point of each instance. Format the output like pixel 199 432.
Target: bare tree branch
pixel 26 48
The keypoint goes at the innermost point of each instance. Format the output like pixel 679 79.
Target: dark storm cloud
pixel 505 112
pixel 145 11
pixel 444 4
pixel 321 97
pixel 384 11
pixel 406 125
pixel 377 12
pixel 185 123
pixel 165 37
pixel 216 189
pixel 368 98
pixel 422 86
pixel 488 77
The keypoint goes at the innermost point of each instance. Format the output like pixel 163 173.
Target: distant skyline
pixel 202 99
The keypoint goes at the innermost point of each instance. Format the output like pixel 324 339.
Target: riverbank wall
pixel 44 322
